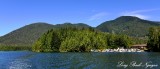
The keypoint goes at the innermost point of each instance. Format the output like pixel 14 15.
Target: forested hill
pixel 28 34
pixel 25 35
pixel 128 25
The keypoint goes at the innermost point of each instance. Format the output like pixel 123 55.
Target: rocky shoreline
pixel 117 50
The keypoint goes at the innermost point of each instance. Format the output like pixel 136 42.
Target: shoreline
pixel 117 50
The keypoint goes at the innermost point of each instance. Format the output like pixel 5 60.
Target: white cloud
pixel 139 13
pixel 143 11
pixel 98 16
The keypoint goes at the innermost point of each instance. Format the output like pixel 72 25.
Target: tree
pixel 154 39
pixel 123 41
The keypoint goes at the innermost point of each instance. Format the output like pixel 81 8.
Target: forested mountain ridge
pixel 27 35
pixel 129 25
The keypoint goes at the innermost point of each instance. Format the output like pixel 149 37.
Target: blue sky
pixel 18 13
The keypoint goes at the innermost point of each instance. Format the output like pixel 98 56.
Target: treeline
pixel 154 39
pixel 78 40
pixel 15 48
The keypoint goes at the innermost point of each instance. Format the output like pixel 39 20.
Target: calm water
pixel 31 60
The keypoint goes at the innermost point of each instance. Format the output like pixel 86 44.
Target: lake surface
pixel 32 60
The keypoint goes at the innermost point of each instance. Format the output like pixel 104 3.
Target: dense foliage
pixel 128 25
pixel 154 39
pixel 78 40
pixel 139 40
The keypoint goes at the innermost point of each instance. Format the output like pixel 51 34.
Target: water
pixel 32 60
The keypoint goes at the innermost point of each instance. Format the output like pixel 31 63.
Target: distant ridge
pixel 129 25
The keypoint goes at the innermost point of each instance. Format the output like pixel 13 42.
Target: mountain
pixel 27 35
pixel 128 25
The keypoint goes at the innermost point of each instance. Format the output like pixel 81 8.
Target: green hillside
pixel 27 35
pixel 128 25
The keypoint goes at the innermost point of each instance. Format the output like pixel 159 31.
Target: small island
pixel 79 40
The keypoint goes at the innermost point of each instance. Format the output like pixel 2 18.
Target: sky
pixel 18 13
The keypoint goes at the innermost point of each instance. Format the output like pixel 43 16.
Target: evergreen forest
pixel 79 40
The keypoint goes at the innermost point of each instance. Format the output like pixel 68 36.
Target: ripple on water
pixel 19 64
